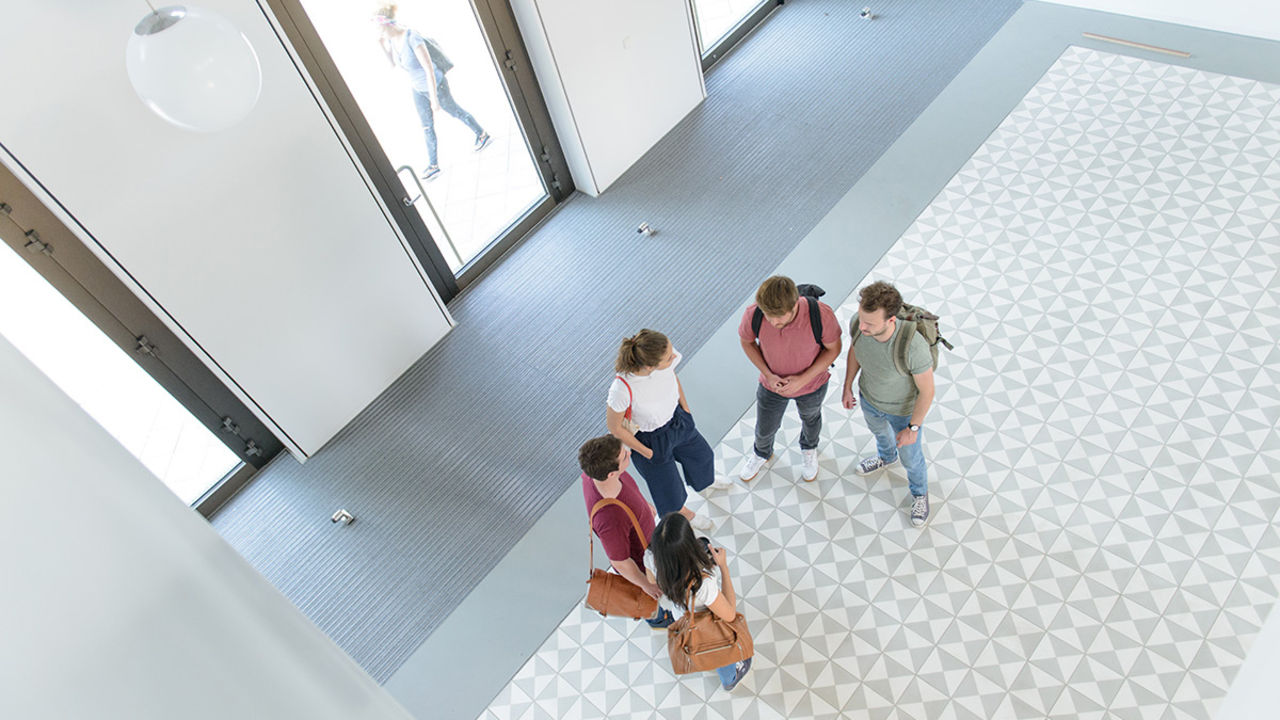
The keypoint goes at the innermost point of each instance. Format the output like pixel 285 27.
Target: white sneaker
pixel 751 468
pixel 720 483
pixel 809 466
pixel 701 523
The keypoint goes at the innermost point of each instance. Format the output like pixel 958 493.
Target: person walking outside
pixel 648 412
pixel 792 340
pixel 604 461
pixel 894 405
pixel 682 563
pixel 426 65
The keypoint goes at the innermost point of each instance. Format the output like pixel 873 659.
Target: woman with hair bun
pixel 648 412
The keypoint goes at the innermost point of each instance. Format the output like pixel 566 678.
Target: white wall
pixel 1259 18
pixel 120 602
pixel 617 75
pixel 262 243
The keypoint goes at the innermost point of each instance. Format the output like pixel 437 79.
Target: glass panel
pixel 102 379
pixel 717 17
pixel 384 52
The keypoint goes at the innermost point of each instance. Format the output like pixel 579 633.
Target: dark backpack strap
pixel 815 320
pixel 757 319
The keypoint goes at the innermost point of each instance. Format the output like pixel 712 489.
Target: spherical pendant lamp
pixel 193 68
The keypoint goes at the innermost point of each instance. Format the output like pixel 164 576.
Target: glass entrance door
pixel 93 371
pixel 722 24
pixel 425 79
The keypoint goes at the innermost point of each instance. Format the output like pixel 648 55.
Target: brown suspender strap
pixel 591 535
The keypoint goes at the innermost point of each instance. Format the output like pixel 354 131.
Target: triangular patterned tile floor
pixel 1104 453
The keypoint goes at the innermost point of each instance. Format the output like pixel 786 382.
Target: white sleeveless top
pixel 653 397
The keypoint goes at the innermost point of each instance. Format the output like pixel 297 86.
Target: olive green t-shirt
pixel 878 379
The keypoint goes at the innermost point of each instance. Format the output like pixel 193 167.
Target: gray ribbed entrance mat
pixel 450 467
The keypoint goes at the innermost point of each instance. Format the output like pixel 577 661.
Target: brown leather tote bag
pixel 609 593
pixel 701 641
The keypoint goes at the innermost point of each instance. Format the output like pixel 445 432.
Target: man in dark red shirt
pixel 604 461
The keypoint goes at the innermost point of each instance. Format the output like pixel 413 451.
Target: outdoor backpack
pixel 813 292
pixel 915 320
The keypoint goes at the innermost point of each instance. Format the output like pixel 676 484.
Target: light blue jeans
pixel 422 101
pixel 886 428
pixel 727 672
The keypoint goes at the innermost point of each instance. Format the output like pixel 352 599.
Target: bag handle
pixel 630 398
pixel 591 535
pixel 711 613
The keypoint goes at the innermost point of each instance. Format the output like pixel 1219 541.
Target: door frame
pixel 498 27
pixel 58 254
pixel 714 54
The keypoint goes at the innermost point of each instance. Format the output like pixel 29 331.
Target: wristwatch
pixel 914 428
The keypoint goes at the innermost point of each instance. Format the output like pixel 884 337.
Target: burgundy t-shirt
pixel 613 526
pixel 791 350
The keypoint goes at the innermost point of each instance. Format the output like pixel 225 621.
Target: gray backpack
pixel 914 320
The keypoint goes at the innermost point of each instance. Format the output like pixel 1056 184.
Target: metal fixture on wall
pixel 342 516
pixel 193 68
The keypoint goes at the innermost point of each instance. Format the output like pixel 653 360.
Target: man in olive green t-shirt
pixel 894 405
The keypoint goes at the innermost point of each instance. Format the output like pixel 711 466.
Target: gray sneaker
pixel 871 464
pixel 919 509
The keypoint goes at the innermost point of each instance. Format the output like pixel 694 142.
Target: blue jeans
pixel 886 428
pixel 676 442
pixel 727 672
pixel 422 101
pixel 769 408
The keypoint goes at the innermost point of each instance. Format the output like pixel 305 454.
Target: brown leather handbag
pixel 609 593
pixel 701 641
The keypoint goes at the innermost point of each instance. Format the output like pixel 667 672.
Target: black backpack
pixel 813 292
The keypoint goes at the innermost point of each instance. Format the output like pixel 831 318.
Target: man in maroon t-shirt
pixel 604 461
pixel 793 357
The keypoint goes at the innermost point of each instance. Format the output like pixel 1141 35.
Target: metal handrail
pixel 422 195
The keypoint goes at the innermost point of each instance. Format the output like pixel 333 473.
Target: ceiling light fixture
pixel 193 67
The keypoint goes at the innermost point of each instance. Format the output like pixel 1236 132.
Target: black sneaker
pixel 919 509
pixel 743 667
pixel 661 620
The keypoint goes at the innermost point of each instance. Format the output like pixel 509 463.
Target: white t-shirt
pixel 706 594
pixel 653 397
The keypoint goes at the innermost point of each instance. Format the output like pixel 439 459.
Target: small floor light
pixel 193 68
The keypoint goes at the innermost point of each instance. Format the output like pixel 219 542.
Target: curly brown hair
pixel 643 350
pixel 880 295
pixel 599 456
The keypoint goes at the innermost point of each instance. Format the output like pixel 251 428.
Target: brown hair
pixel 386 10
pixel 599 456
pixel 880 295
pixel 643 350
pixel 777 296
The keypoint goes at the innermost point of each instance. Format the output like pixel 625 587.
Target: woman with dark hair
pixel 682 563
pixel 648 412
pixel 426 65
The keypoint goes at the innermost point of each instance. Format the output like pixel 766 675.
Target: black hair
pixel 680 559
